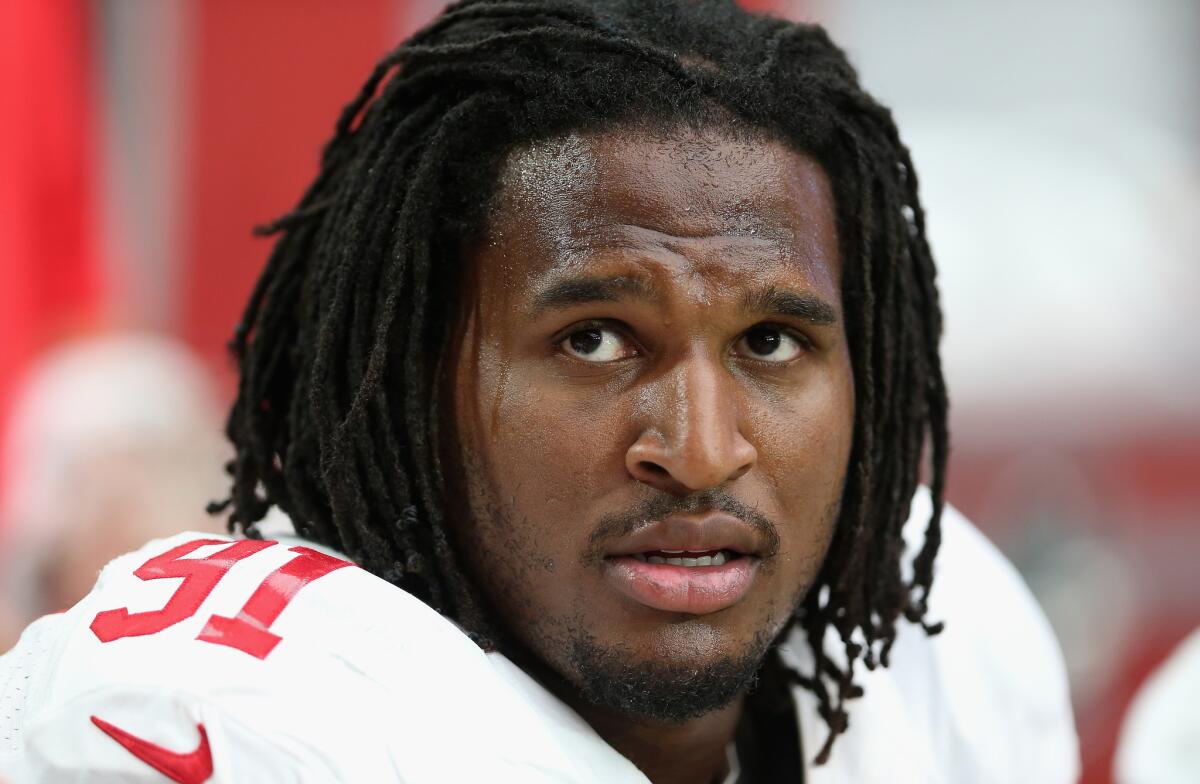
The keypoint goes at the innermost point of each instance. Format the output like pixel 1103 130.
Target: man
pixel 607 332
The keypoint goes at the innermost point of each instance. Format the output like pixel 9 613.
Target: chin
pixel 675 688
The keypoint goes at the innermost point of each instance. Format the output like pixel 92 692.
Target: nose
pixel 693 438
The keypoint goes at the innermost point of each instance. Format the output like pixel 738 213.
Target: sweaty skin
pixel 650 345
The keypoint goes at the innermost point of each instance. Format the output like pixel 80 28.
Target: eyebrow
pixel 581 291
pixel 800 305
pixel 771 300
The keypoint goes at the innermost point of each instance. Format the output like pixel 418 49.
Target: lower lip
pixel 697 590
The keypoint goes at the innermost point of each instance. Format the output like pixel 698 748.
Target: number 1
pixel 249 630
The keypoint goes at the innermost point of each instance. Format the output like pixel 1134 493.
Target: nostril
pixel 653 468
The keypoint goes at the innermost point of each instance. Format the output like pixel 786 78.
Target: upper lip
pixel 694 533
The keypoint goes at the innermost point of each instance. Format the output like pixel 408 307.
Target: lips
pixel 694 565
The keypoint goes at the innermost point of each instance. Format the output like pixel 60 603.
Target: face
pixel 652 407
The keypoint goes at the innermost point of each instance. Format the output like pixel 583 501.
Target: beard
pixel 563 651
pixel 668 692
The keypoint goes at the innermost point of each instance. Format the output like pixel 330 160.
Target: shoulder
pixel 986 700
pixel 280 652
pixel 239 609
pixel 987 608
pixel 995 676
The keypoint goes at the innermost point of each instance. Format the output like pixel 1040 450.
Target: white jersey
pixel 207 659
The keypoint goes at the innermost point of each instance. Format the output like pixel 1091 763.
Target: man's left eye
pixel 597 344
pixel 770 344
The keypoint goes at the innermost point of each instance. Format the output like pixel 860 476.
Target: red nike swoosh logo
pixel 192 767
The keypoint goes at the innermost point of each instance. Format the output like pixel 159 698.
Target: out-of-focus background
pixel 1057 144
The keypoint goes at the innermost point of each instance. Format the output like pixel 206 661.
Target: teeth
pixel 720 559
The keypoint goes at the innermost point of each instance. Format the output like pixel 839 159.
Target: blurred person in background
pixel 115 440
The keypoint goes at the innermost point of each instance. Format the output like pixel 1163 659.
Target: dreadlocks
pixel 339 347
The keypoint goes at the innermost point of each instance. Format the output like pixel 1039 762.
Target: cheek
pixel 804 439
pixel 554 452
pixel 537 470
pixel 806 432
pixel 537 458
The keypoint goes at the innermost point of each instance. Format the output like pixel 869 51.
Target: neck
pixel 692 752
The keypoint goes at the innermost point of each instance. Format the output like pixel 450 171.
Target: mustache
pixel 650 511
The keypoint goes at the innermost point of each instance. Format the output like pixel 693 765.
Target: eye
pixel 770 344
pixel 597 344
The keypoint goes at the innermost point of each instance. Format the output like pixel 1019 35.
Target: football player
pixel 593 376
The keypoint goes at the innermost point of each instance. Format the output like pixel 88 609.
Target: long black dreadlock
pixel 339 347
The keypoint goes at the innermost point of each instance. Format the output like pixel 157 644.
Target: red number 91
pixel 249 630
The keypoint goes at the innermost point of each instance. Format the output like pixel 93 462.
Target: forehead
pixel 704 193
